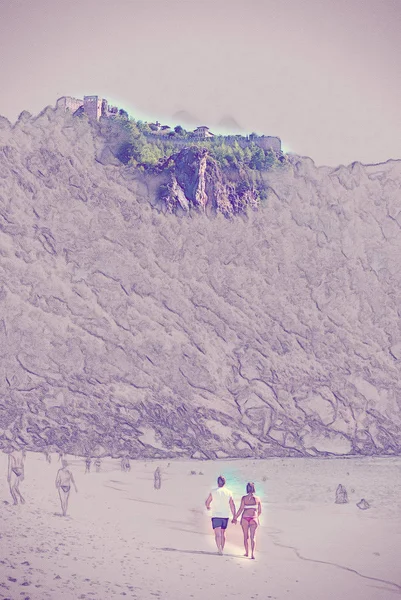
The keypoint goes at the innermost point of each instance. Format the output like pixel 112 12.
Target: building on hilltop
pixel 93 107
pixel 159 129
pixel 202 132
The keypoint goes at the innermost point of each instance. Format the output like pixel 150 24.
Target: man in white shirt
pixel 222 500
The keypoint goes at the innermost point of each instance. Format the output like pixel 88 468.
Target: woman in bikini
pixel 251 508
pixel 64 480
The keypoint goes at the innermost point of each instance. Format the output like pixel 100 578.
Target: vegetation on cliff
pixel 141 151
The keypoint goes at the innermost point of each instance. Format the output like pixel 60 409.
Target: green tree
pixel 180 130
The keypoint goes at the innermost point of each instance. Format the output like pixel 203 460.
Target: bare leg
pixel 64 501
pixel 14 489
pixel 217 535
pixel 245 529
pixel 223 538
pixel 13 494
pixel 253 527
pixel 18 492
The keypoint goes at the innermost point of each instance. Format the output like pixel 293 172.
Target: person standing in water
pixel 16 473
pixel 64 480
pixel 251 508
pixel 223 502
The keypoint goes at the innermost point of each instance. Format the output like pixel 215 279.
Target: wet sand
pixel 124 538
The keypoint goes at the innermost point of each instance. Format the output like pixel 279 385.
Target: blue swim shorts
pixel 218 522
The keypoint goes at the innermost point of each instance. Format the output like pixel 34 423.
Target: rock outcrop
pixel 341 495
pixel 363 504
pixel 127 331
pixel 197 183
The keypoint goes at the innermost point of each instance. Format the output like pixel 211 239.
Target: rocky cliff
pixel 124 328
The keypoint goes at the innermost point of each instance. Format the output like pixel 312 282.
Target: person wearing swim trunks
pixel 222 500
pixel 251 509
pixel 64 480
pixel 16 473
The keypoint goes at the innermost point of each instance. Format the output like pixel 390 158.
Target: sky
pixel 323 75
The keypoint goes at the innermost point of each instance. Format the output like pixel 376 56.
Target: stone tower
pixel 93 107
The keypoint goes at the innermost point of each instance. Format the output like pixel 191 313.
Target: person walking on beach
pixel 251 509
pixel 16 473
pixel 64 480
pixel 222 500
pixel 98 463
pixel 88 465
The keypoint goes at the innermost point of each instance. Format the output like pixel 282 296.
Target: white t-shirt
pixel 221 502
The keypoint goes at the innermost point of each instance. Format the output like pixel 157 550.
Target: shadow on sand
pixel 199 552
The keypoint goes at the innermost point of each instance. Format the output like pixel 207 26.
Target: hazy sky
pixel 323 75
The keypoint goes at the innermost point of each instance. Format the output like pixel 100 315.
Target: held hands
pixel 234 521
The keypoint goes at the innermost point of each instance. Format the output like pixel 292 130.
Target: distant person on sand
pixel 16 473
pixel 48 457
pixel 157 476
pixel 98 463
pixel 222 502
pixel 88 463
pixel 125 464
pixel 64 480
pixel 251 508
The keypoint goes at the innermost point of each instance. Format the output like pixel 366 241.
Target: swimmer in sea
pixel 16 473
pixel 251 508
pixel 64 480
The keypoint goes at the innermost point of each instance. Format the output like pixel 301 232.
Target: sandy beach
pixel 124 538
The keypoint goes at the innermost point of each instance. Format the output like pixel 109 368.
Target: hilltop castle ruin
pixel 92 106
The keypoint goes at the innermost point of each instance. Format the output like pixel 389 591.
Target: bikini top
pixel 254 506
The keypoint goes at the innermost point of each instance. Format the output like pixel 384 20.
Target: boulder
pixel 363 504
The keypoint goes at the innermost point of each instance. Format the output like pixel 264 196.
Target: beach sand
pixel 123 538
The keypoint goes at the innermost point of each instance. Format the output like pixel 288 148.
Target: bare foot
pixel 22 501
pixel 220 552
pixel 246 555
pixel 253 558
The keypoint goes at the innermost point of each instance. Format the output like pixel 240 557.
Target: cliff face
pixel 196 182
pixel 123 329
